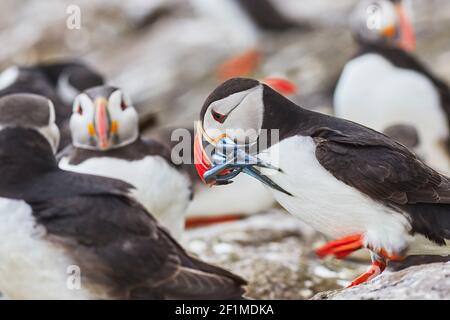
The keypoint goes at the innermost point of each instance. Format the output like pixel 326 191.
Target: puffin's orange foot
pixel 342 247
pixel 194 222
pixel 375 269
pixel 241 65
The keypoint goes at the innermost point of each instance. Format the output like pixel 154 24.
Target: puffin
pixel 65 235
pixel 60 81
pixel 349 182
pixel 106 141
pixel 384 84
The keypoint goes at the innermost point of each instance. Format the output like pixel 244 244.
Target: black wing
pixel 388 172
pixel 121 249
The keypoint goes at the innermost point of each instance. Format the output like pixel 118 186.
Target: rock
pixel 429 281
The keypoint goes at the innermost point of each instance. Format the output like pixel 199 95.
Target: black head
pixel 241 108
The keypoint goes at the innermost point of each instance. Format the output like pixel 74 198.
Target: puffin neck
pixel 24 150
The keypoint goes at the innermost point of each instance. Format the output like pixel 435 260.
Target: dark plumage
pixel 405 134
pixel 45 79
pixel 137 150
pixel 268 17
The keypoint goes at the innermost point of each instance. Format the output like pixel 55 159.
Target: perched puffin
pixel 106 142
pixel 349 182
pixel 245 197
pixel 383 84
pixel 59 81
pixel 56 226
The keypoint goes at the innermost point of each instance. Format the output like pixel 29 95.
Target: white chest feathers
pixel 159 187
pixel 327 204
pixel 32 267
pixel 373 92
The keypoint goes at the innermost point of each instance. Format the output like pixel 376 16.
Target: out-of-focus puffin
pixel 56 226
pixel 106 142
pixel 383 84
pixel 59 81
pixel 347 181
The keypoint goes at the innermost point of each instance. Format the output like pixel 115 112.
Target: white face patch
pixel 8 77
pixel 51 132
pixel 239 115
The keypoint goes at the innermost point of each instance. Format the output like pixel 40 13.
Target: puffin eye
pixel 79 110
pixel 218 116
pixel 123 105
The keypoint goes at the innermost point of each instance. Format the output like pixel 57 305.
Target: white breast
pixel 31 267
pixel 375 93
pixel 160 188
pixel 327 204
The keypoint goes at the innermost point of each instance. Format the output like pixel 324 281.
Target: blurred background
pixel 167 54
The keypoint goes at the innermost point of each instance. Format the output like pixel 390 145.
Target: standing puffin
pixel 383 84
pixel 349 182
pixel 54 223
pixel 59 81
pixel 106 142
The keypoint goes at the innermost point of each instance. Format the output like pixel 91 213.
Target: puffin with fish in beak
pixel 347 181
pixel 107 142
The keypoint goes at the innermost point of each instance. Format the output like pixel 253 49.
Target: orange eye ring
pixel 218 116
